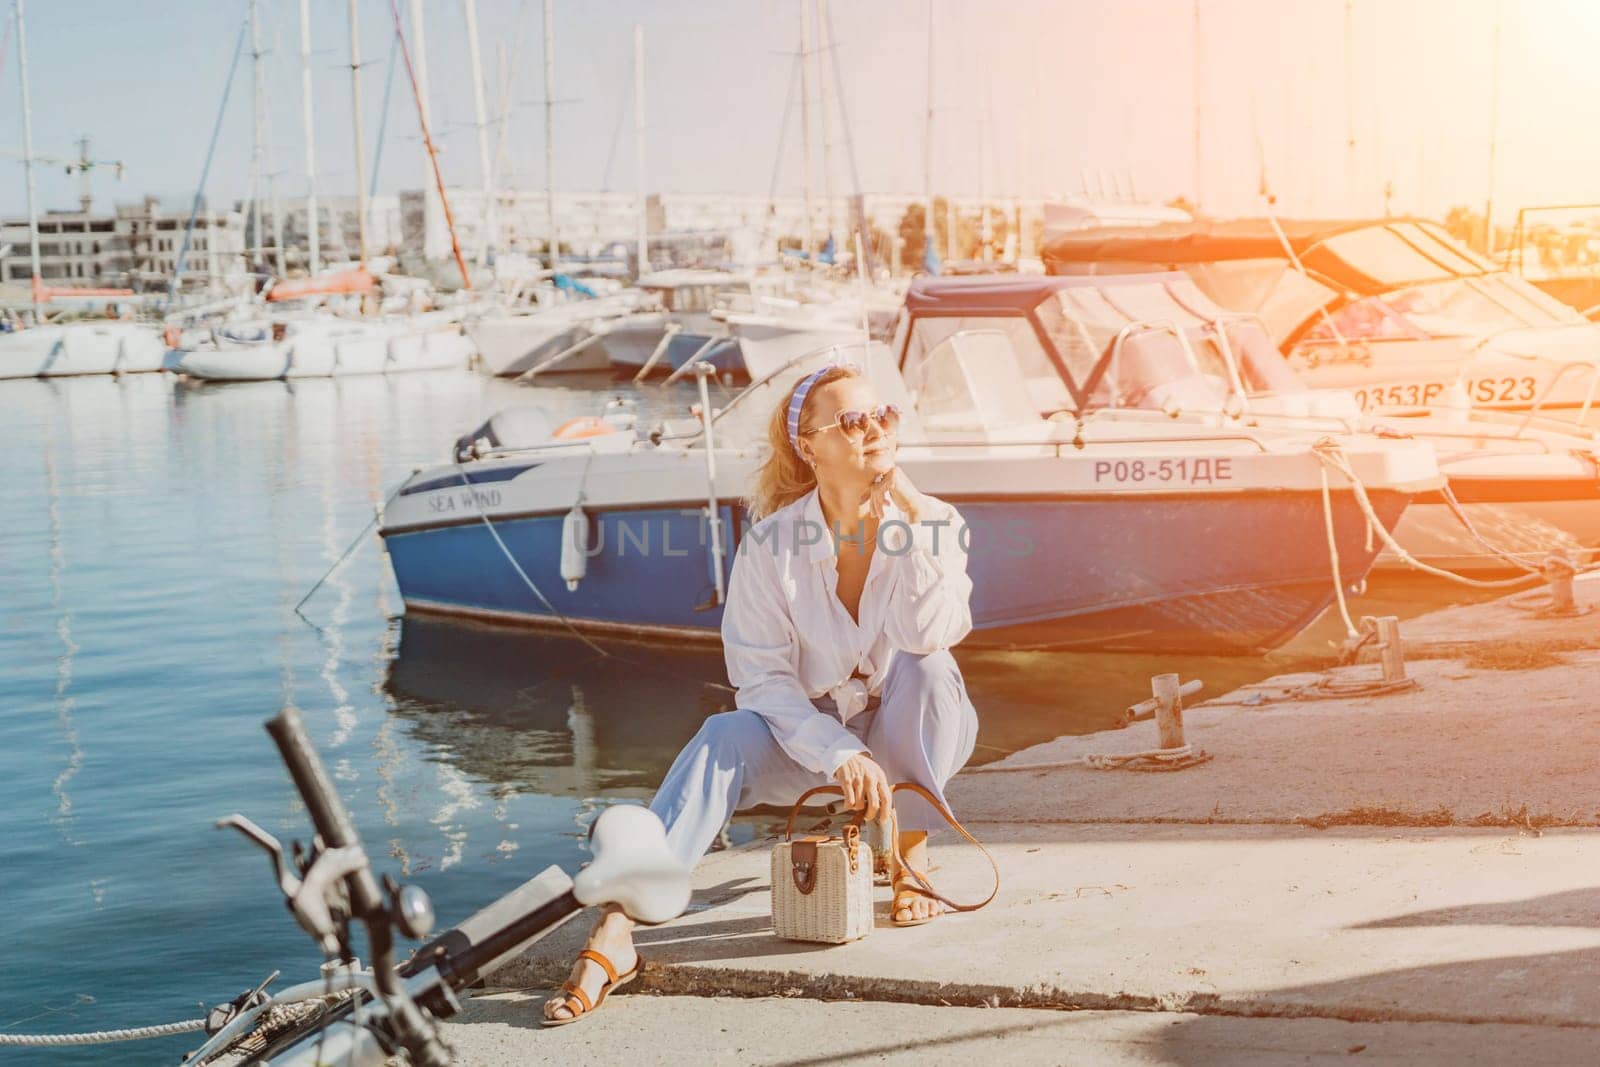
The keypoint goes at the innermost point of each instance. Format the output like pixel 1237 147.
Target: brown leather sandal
pixel 577 1001
pixel 906 889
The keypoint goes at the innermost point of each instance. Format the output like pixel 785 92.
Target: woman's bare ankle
pixel 614 931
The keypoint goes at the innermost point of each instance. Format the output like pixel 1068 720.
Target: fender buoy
pixel 583 426
pixel 574 547
pixel 172 335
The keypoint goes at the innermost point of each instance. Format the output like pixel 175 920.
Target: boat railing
pixel 1132 329
pixel 1588 400
pixel 1538 421
pixel 1059 446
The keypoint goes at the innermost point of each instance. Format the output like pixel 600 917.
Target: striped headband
pixel 798 401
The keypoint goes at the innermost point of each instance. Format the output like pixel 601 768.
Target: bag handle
pixel 920 877
pixel 856 819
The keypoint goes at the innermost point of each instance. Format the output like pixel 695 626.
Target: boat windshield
pixel 1159 345
pixel 743 422
pixel 1461 307
pixel 1153 368
pixel 973 380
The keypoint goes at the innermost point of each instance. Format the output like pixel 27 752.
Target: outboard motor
pixel 517 427
pixel 530 426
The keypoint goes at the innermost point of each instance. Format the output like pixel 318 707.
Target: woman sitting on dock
pixel 843 604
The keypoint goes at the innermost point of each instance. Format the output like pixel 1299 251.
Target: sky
pixel 1030 98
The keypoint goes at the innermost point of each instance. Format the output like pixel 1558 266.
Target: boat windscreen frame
pixel 1079 396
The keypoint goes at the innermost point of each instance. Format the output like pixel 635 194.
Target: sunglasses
pixel 853 424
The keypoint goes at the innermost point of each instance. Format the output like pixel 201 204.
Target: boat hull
pixel 628 347
pixel 1139 572
pixel 516 345
pixel 766 347
pixel 320 355
pixel 81 348
pixel 1527 520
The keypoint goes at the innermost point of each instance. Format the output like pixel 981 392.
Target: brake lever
pixel 320 896
pixel 322 902
pixel 288 884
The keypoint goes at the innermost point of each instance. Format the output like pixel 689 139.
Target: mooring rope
pixel 1333 457
pixel 1152 759
pixel 101 1037
pixel 548 606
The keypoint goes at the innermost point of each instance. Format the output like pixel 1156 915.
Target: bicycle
pixel 364 1018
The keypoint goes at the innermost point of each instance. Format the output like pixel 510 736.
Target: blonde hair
pixel 784 477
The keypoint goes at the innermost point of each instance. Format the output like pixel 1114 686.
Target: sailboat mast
pixel 550 131
pixel 308 112
pixel 1494 132
pixel 927 151
pixel 1350 104
pixel 361 146
pixel 825 61
pixel 638 147
pixel 27 156
pixel 258 134
pixel 805 118
pixel 420 96
pixel 434 228
pixel 986 224
pixel 481 114
pixel 1199 116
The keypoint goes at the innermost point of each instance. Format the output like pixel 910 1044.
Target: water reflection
pixel 547 714
pixel 63 700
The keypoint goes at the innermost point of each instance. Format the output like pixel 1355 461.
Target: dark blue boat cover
pixel 980 293
pixel 1365 256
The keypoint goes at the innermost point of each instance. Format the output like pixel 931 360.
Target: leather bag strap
pixel 892 832
pixel 920 877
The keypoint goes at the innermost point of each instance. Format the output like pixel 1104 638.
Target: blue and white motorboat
pixel 1519 487
pixel 1137 533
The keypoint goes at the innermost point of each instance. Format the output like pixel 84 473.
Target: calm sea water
pixel 154 540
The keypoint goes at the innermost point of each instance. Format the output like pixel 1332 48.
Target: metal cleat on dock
pixel 1148 709
pixel 1559 570
pixel 1166 707
pixel 1391 656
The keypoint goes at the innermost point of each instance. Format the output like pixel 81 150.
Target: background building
pixel 136 246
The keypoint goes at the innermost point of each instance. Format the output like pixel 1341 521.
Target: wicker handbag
pixel 822 885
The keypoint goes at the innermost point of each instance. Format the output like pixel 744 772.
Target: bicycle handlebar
pixel 633 867
pixel 327 811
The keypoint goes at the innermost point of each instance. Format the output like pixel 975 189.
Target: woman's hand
pixel 865 785
pixel 894 485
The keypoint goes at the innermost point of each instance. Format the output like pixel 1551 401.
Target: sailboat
pixel 87 347
pixel 309 341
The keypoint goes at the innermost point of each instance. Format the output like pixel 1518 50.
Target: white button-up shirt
pixel 788 639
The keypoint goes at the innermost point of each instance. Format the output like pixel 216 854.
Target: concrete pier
pixel 1410 876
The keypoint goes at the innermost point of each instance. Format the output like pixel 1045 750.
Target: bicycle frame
pixel 395 1009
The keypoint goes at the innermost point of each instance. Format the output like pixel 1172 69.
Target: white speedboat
pixel 88 347
pixel 1140 346
pixel 1394 310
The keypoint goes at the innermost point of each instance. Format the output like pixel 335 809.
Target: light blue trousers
pixel 922 731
